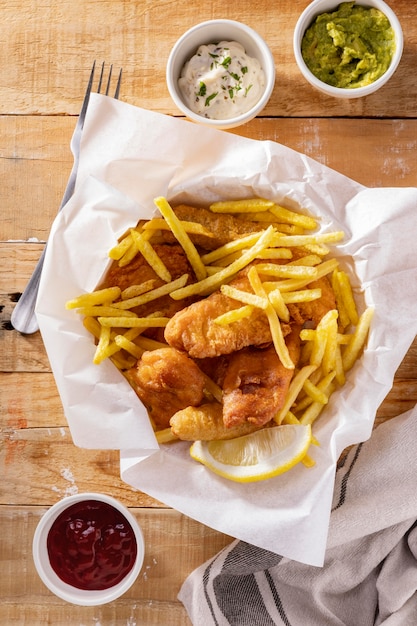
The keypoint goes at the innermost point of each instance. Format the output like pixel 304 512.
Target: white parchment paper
pixel 129 156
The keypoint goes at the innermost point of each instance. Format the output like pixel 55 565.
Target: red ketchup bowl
pixel 88 549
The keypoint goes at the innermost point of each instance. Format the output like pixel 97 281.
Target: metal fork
pixel 23 316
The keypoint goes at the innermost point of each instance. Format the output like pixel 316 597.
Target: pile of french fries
pixel 329 351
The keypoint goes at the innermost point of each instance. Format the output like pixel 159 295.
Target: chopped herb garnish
pixel 202 90
pixel 245 70
pixel 247 89
pixel 235 76
pixel 210 98
pixel 231 94
pixel 226 62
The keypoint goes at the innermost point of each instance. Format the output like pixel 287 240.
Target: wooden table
pixel 47 50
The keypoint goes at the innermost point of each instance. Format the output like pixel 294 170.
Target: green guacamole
pixel 349 48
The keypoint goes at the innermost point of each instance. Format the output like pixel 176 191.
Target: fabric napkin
pixel 369 577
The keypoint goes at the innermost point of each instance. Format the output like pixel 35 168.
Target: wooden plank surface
pixel 51 64
pixel 46 55
pixel 175 545
pixel 36 159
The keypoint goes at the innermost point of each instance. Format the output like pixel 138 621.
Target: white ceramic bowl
pixel 64 590
pixel 318 7
pixel 214 31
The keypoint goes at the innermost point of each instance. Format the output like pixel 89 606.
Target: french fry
pixel 234 316
pixel 290 284
pixel 137 290
pixel 287 271
pixel 310 260
pixel 274 324
pixel 103 342
pixel 191 228
pixel 182 237
pixel 265 217
pixel 314 392
pixel 305 295
pixel 211 283
pixel 290 418
pixel 154 294
pixel 330 350
pixel 129 346
pixel 313 411
pixel 241 206
pixel 212 389
pixel 276 299
pixel 130 251
pixel 165 436
pixel 231 247
pixel 347 296
pixel 294 389
pixel 275 253
pixel 344 319
pixel 102 296
pixel 317 248
pixel 103 311
pixel 134 322
pixel 121 248
pixel 145 343
pixel 291 217
pixel 295 241
pixel 321 336
pixel 244 296
pixel 358 339
pixel 145 248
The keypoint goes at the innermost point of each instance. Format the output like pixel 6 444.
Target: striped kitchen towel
pixel 369 577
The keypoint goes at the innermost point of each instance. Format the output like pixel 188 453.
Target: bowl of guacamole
pixel 350 49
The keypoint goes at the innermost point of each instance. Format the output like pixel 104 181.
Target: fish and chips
pixel 228 319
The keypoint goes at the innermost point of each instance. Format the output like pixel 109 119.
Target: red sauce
pixel 91 545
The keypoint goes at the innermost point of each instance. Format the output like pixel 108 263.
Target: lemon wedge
pixel 258 456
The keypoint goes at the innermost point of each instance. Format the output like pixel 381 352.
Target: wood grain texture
pixel 53 66
pixel 46 54
pixel 174 546
pixel 36 159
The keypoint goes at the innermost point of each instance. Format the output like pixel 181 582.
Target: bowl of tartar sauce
pixel 348 49
pixel 220 73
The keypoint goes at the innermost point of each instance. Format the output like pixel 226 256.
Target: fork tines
pixel 100 82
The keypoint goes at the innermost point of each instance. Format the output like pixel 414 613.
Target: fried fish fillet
pixel 194 330
pixel 224 228
pixel 316 309
pixel 256 383
pixel 205 422
pixel 139 271
pixel 166 381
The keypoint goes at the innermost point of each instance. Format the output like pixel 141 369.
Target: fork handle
pixel 23 316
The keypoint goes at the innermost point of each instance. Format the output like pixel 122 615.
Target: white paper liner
pixel 129 156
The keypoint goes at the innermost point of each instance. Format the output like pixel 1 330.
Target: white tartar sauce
pixel 221 81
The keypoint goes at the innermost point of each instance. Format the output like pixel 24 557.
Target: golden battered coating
pixel 206 423
pixel 194 330
pixel 166 381
pixel 256 383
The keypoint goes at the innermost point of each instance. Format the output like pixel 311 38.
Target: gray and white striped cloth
pixel 369 577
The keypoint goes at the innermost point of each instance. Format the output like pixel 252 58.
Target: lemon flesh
pixel 258 456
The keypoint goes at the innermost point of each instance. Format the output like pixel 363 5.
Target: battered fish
pixel 139 271
pixel 193 329
pixel 224 228
pixel 316 309
pixel 256 383
pixel 166 381
pixel 206 423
